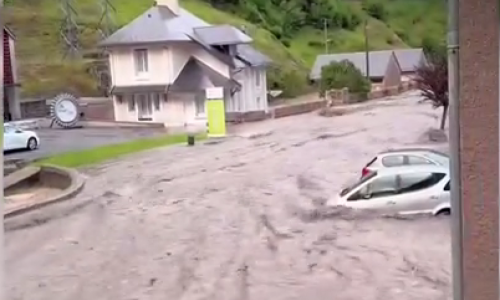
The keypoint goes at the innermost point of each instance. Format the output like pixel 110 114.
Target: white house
pixel 162 62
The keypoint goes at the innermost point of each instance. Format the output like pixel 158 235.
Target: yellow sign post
pixel 216 112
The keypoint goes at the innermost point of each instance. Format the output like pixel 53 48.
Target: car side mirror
pixel 366 196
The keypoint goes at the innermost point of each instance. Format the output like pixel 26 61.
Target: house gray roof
pixel 221 35
pixel 160 25
pixel 378 62
pixel 409 59
pixel 197 76
pixel 157 25
pixel 252 56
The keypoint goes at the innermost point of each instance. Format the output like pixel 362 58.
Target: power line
pixel 69 30
pixel 106 24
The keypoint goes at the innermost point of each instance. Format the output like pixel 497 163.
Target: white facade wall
pixel 178 109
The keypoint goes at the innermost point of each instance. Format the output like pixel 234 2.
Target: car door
pixel 19 138
pixel 10 138
pixel 418 192
pixel 374 194
pixel 7 138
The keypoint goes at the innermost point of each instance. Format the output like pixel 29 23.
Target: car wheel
pixel 444 212
pixel 32 144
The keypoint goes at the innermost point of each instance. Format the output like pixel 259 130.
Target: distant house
pixel 409 60
pixel 162 62
pixel 12 110
pixel 384 69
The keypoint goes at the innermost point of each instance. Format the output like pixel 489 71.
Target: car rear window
pixel 393 160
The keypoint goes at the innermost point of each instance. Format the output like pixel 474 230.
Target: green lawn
pixel 75 159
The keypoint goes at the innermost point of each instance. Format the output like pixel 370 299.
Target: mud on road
pixel 238 219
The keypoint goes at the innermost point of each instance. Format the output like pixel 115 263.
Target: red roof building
pixel 10 81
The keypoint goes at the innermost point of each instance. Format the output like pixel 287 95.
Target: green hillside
pixel 289 31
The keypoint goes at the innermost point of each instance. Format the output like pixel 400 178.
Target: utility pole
pixel 457 217
pixel 325 29
pixel 367 49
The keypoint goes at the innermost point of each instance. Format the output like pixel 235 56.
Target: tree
pixel 343 74
pixel 432 81
pixel 375 9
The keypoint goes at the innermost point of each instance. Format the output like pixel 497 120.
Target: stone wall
pixel 95 109
pixel 334 98
pixel 34 108
pixel 98 109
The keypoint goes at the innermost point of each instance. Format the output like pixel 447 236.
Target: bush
pixel 344 74
pixel 375 9
pixel 434 48
pixel 291 82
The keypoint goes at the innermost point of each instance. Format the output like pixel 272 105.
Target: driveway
pixel 55 141
pixel 238 219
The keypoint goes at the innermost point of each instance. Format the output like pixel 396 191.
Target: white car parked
pixel 406 157
pixel 15 138
pixel 402 190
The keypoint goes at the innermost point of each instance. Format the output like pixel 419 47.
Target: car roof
pixel 413 169
pixel 413 150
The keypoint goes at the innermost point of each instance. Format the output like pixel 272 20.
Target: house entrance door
pixel 145 107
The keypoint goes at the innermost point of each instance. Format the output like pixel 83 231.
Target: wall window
pixel 393 161
pixel 131 104
pixel 156 101
pixel 257 78
pixel 200 104
pixel 141 61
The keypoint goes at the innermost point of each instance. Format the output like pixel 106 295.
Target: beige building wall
pixel 479 96
pixel 165 64
pixel 393 73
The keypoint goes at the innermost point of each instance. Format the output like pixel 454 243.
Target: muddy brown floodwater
pixel 239 219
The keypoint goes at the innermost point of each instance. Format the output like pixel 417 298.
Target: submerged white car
pixel 400 190
pixel 15 138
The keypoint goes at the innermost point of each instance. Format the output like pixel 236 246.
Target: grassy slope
pixel 43 72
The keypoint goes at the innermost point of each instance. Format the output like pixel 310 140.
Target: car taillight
pixel 365 171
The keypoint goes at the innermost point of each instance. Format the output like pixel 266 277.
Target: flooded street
pixel 239 219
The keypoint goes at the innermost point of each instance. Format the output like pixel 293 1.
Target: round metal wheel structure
pixel 65 110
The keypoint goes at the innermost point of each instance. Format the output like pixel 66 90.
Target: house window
pixel 257 78
pixel 200 104
pixel 131 104
pixel 258 101
pixel 141 61
pixel 156 101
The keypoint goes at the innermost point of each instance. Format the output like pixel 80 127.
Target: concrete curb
pixel 77 184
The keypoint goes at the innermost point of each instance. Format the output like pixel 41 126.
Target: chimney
pixel 173 5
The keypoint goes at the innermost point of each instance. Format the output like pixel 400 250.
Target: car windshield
pixel 351 187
